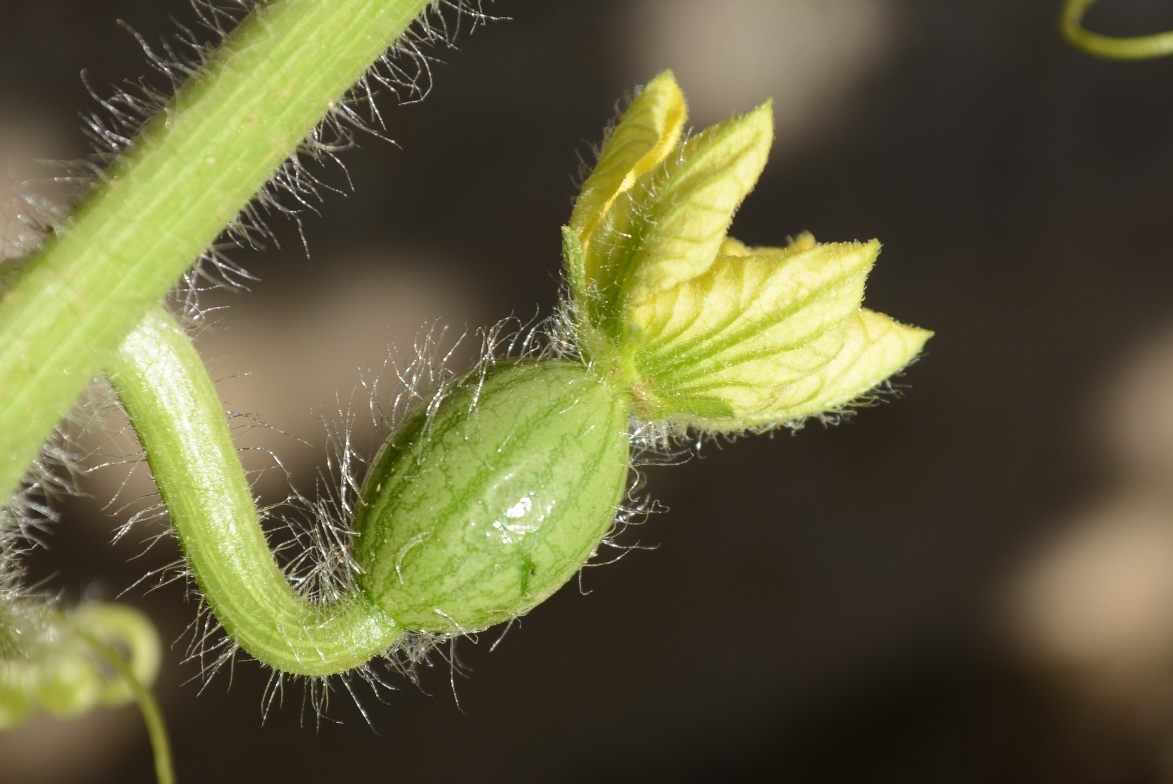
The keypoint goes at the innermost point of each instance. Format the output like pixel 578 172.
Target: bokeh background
pixel 973 582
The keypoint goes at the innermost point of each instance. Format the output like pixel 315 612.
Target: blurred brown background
pixel 971 583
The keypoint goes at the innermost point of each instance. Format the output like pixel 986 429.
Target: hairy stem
pixel 185 178
pixel 1141 47
pixel 181 425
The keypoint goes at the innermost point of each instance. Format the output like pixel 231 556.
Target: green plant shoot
pixel 498 489
pixel 502 484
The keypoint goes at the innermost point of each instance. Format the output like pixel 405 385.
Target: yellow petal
pixel 766 338
pixel 873 347
pixel 746 310
pixel 804 241
pixel 679 217
pixel 732 247
pixel 671 224
pixel 648 130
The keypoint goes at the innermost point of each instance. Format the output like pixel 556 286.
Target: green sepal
pixel 575 262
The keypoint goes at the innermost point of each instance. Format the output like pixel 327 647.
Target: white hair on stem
pixel 405 71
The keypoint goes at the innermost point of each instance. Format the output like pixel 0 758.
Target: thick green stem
pixel 181 425
pixel 185 178
pixel 1141 47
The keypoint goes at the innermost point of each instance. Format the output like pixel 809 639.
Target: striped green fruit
pixel 473 514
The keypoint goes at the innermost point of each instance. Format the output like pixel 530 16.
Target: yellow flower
pixel 707 332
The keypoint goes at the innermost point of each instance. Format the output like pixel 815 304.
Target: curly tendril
pixel 130 676
pixel 48 659
pixel 1141 47
pixel 68 663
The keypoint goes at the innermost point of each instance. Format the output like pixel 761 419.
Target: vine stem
pixel 1140 47
pixel 188 174
pixel 148 706
pixel 181 425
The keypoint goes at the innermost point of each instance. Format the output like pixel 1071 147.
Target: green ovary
pixel 474 516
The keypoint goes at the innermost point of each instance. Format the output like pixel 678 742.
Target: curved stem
pixel 152 715
pixel 182 427
pixel 1141 47
pixel 184 179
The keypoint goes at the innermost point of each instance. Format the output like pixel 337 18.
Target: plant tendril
pixel 1141 47
pixel 147 705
